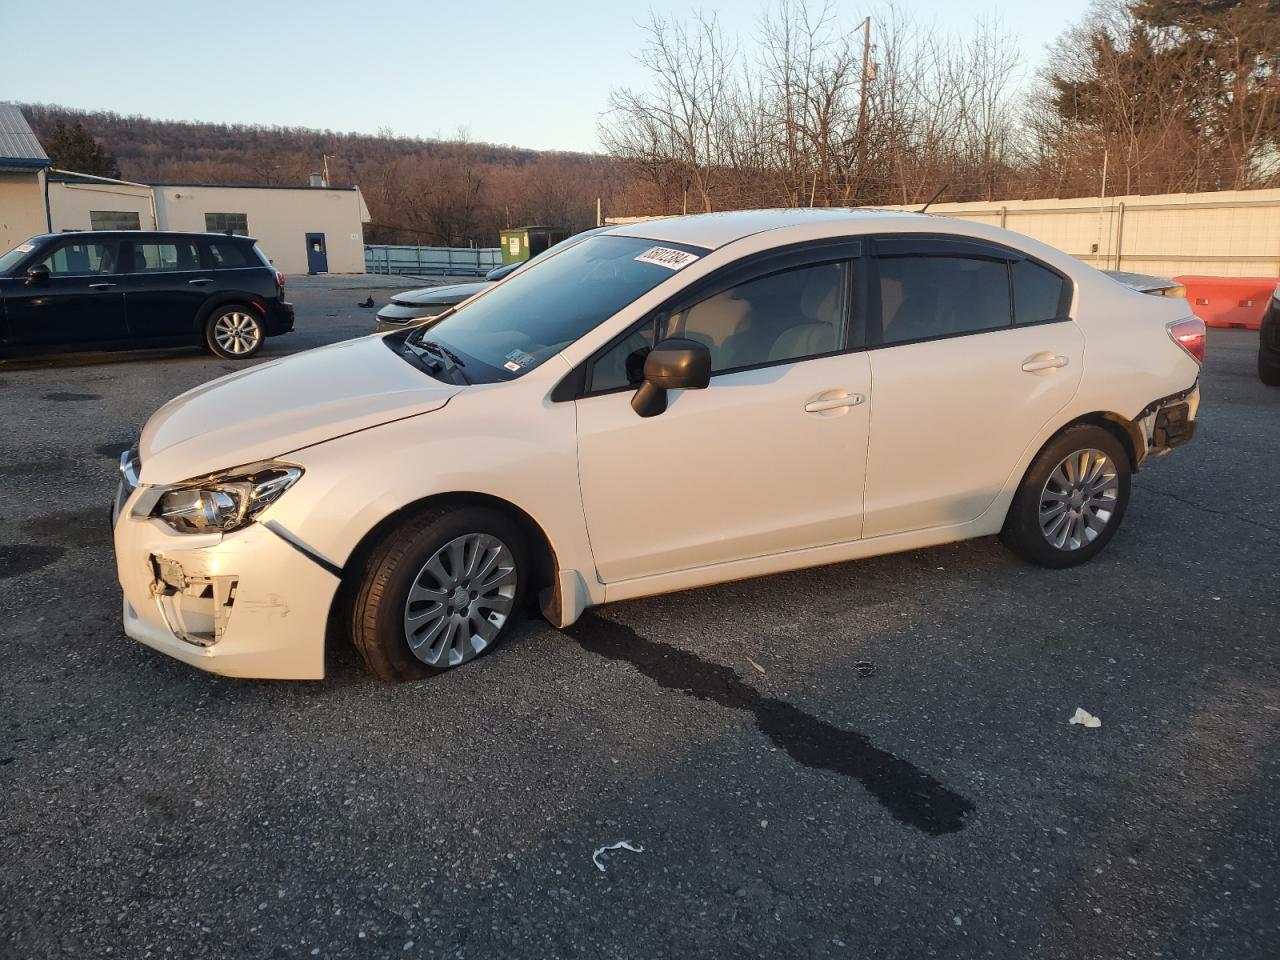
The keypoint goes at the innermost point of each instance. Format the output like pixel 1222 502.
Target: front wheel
pixel 234 332
pixel 1071 500
pixel 438 592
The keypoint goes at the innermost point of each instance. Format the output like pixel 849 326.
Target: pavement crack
pixel 910 795
pixel 1199 506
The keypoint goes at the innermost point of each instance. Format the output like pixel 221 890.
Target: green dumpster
pixel 521 243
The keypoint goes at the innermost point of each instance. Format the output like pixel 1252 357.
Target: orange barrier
pixel 1229 301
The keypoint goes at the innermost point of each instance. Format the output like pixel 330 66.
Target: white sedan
pixel 660 406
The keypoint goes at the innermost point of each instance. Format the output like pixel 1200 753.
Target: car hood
pixel 283 405
pixel 453 293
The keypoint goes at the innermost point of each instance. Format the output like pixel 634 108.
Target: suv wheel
pixel 438 592
pixel 1071 500
pixel 234 332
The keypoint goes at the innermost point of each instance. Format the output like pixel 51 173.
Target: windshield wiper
pixel 452 368
pixel 434 362
pixel 433 347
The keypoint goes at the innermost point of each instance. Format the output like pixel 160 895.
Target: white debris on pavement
pixel 620 845
pixel 1085 718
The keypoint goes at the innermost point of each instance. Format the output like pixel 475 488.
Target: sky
pixel 532 74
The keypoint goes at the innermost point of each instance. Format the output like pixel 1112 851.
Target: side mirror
pixel 38 276
pixel 674 364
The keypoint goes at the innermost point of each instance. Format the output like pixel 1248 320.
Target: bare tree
pixel 678 126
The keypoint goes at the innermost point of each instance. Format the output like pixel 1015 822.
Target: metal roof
pixel 18 145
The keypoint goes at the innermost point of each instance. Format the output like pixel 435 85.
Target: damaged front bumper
pixel 241 604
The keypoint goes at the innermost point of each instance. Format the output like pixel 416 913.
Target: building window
pixel 237 223
pixel 114 220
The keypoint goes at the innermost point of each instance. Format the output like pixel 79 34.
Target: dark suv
pixel 1269 342
pixel 105 289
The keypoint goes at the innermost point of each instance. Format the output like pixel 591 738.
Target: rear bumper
pixel 243 604
pixel 279 317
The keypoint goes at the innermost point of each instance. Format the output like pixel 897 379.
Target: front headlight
pixel 225 501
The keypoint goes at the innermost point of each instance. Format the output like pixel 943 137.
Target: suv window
pixel 924 297
pixel 228 255
pixel 176 255
pixel 1039 294
pixel 78 259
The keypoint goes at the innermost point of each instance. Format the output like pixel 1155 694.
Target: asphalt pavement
pixel 865 760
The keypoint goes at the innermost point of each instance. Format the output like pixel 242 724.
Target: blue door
pixel 317 259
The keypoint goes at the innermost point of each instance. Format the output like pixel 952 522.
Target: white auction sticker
pixel 25 247
pixel 668 257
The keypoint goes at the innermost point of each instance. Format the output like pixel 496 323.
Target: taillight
pixel 280 280
pixel 1189 335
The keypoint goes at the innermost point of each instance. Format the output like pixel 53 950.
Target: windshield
pixel 539 311
pixel 10 259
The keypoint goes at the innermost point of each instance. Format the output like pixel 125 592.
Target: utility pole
pixel 324 160
pixel 862 99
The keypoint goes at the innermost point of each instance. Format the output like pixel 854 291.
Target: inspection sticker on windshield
pixel 25 247
pixel 520 359
pixel 668 257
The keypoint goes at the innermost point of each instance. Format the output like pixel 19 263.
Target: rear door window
pixel 166 256
pixel 926 297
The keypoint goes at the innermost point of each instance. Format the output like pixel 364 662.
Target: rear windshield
pixel 14 256
pixel 538 311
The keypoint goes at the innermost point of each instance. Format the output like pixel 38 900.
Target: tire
pixel 1091 510
pixel 234 332
pixel 421 557
pixel 1268 367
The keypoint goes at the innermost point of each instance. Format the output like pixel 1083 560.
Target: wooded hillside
pixel 446 192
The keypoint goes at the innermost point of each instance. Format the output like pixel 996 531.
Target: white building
pixel 315 229
pixel 302 229
pixel 22 171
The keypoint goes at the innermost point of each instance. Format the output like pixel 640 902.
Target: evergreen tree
pixel 70 147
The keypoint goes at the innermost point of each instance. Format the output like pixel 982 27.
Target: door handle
pixel 200 281
pixel 820 403
pixel 101 286
pixel 1044 362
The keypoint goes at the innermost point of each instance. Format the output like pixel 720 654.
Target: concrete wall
pixel 1230 233
pixel 279 218
pixel 22 212
pixel 71 203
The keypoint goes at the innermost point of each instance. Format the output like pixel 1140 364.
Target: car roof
pixel 713 230
pixel 144 234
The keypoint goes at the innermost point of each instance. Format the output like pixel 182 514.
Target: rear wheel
pixel 1269 367
pixel 234 332
pixel 1072 499
pixel 437 592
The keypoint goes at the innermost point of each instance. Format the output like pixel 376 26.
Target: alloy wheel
pixel 1079 499
pixel 460 599
pixel 236 332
